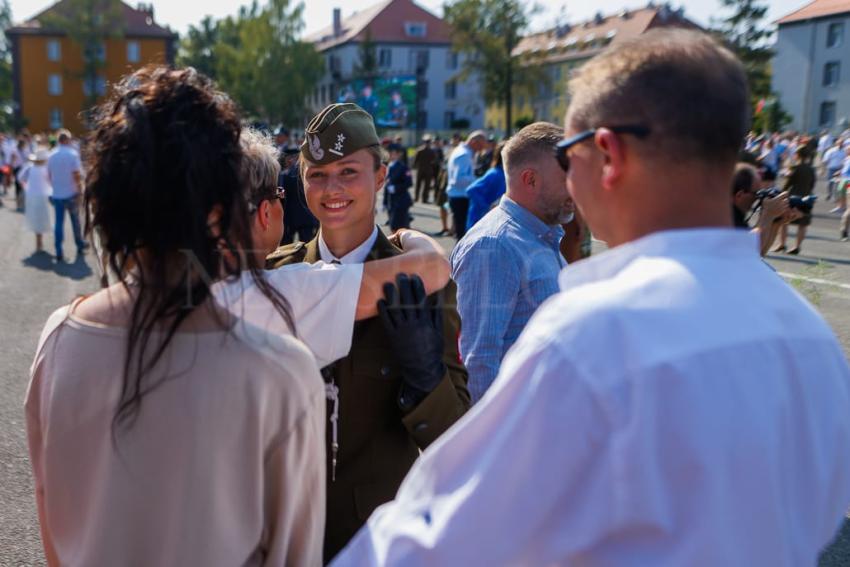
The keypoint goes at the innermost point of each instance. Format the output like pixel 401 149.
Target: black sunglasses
pixel 563 146
pixel 279 193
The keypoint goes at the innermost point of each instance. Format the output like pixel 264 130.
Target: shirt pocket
pixel 375 382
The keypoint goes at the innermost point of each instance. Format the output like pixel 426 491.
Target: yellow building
pixel 47 67
pixel 564 48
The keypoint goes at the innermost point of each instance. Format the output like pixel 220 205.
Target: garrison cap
pixel 339 130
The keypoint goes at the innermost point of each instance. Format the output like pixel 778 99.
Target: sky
pixel 180 14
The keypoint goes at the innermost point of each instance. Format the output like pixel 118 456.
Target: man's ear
pixel 529 177
pixel 614 156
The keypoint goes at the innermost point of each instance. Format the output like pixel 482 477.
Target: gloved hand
pixel 414 326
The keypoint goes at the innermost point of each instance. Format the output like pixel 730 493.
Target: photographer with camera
pixel 749 197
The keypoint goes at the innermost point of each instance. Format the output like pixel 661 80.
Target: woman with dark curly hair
pixel 161 431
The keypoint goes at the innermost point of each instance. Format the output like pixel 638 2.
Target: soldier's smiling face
pixel 341 194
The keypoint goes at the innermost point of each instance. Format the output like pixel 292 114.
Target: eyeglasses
pixel 563 146
pixel 279 193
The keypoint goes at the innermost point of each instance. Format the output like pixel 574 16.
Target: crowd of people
pixel 255 387
pixel 799 160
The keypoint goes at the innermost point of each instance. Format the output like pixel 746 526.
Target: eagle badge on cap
pixel 337 149
pixel 315 147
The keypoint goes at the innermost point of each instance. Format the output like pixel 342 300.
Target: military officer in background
pixel 426 165
pixel 298 220
pixel 402 384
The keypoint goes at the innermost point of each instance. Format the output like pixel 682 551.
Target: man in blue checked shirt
pixel 508 263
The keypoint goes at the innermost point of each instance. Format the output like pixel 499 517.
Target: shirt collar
pixel 356 256
pixel 722 243
pixel 529 221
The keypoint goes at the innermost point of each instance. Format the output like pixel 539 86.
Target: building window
pixel 831 73
pixel 420 60
pixel 55 118
pixel 835 34
pixel 827 113
pixel 54 84
pixel 385 58
pixel 99 85
pixel 451 60
pixel 449 119
pixel 415 29
pixel 134 52
pixel 54 50
pixel 451 90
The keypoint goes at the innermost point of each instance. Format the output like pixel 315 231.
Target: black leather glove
pixel 414 325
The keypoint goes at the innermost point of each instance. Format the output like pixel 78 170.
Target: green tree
pixel 487 32
pixel 198 47
pixel 745 30
pixel 7 110
pixel 264 66
pixel 88 24
pixel 367 58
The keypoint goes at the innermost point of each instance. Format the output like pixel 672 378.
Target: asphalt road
pixel 32 286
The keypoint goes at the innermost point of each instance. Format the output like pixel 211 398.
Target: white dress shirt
pixel 675 404
pixel 356 256
pixel 62 164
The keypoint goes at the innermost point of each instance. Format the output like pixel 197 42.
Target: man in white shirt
pixel 677 403
pixel 824 143
pixel 66 177
pixel 834 161
pixel 461 173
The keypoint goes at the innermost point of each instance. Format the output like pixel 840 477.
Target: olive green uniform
pixel 378 443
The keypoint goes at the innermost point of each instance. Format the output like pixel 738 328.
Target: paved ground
pixel 31 287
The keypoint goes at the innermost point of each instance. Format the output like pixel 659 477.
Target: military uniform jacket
pixel 425 162
pixel 378 443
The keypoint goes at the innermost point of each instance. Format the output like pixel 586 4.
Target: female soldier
pixel 399 388
pixel 325 299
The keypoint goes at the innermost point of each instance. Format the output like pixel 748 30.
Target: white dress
pixel 36 194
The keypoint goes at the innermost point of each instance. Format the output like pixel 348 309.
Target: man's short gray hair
pixel 688 89
pixel 476 134
pixel 260 167
pixel 532 143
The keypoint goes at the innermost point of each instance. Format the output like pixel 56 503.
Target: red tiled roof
pixel 385 22
pixel 816 9
pixel 137 23
pixel 585 39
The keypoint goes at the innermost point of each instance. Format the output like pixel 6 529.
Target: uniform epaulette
pixel 288 254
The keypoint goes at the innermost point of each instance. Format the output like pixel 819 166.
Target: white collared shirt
pixel 356 256
pixel 676 403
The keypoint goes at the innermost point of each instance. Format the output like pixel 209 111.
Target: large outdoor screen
pixel 390 100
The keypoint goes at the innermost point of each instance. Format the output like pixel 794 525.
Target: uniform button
pixel 420 427
pixel 385 370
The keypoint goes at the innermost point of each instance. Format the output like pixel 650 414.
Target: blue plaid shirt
pixel 505 267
